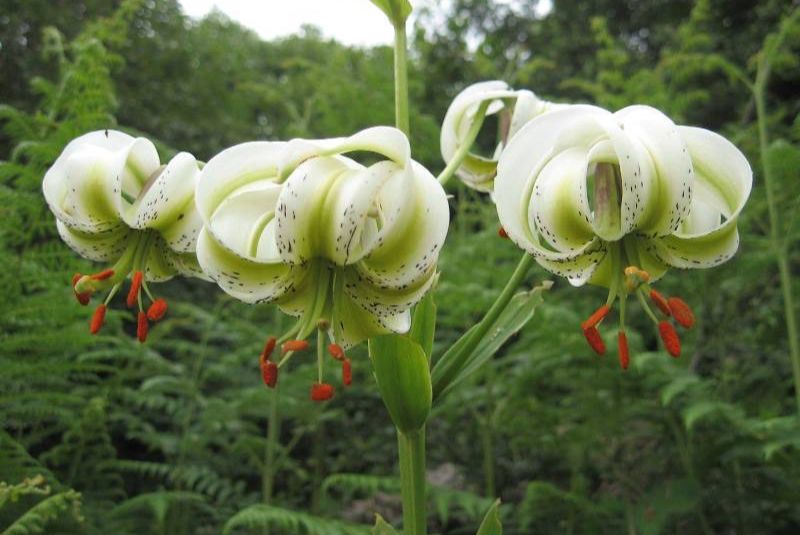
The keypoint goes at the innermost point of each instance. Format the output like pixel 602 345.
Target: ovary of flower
pixel 115 203
pixel 321 235
pixel 589 193
pixel 464 119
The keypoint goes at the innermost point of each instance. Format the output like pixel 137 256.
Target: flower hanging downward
pixel 347 248
pixel 465 117
pixel 115 203
pixel 617 199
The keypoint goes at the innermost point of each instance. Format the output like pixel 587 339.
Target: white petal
pixel 244 279
pixel 101 246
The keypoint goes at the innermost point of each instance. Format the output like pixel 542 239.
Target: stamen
pixel 622 348
pixel 98 318
pixel 136 287
pixel 321 391
pixel 269 373
pixel 141 326
pixel 157 310
pixel 103 275
pixel 347 372
pixel 336 351
pixel 681 311
pixel 596 317
pixel 294 345
pixel 670 338
pixel 660 302
pixel 595 340
pixel 502 233
pixel 269 347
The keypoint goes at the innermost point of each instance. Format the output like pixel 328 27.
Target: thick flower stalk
pixel 464 119
pixel 346 248
pixel 115 203
pixel 615 199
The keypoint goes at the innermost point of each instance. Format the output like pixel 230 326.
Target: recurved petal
pixel 101 246
pixel 414 217
pixel 244 279
pixel 667 200
pixel 166 203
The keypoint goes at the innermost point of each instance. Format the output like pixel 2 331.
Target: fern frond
pixel 288 521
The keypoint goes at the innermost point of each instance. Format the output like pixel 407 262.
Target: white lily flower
pixel 322 236
pixel 115 203
pixel 465 117
pixel 617 199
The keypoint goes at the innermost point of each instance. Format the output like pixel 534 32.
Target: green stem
pixel 453 364
pixel 779 250
pixel 401 79
pixel 463 150
pixel 411 449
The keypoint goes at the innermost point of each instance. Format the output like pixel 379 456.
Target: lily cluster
pixel 611 199
pixel 347 248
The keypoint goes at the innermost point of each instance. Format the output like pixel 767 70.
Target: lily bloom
pixel 115 203
pixel 347 248
pixel 615 199
pixel 465 116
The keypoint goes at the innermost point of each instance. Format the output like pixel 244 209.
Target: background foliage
pixel 103 435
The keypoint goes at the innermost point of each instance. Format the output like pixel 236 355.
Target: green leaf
pixel 491 522
pixel 423 324
pixel 404 379
pixel 397 10
pixel 382 527
pixel 704 409
pixel 514 317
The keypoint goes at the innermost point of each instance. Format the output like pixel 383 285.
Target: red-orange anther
pixel 157 310
pixel 294 345
pixel 336 351
pixel 103 275
pixel 347 372
pixel 136 286
pixel 321 391
pixel 660 302
pixel 595 340
pixel 502 233
pixel 141 326
pixel 596 317
pixel 622 348
pixel 269 373
pixel 98 318
pixel 670 338
pixel 681 311
pixel 269 347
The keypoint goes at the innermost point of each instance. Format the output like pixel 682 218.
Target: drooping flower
pixel 347 248
pixel 465 116
pixel 617 199
pixel 115 203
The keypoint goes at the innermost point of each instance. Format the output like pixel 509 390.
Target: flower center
pixel 132 263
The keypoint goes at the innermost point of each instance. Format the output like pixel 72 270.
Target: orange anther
pixel 321 391
pixel 269 347
pixel 83 297
pixel 98 318
pixel 294 345
pixel 103 275
pixel 670 338
pixel 269 373
pixel 596 317
pixel 336 351
pixel 595 340
pixel 660 302
pixel 157 310
pixel 681 311
pixel 502 233
pixel 141 326
pixel 347 372
pixel 622 348
pixel 136 286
